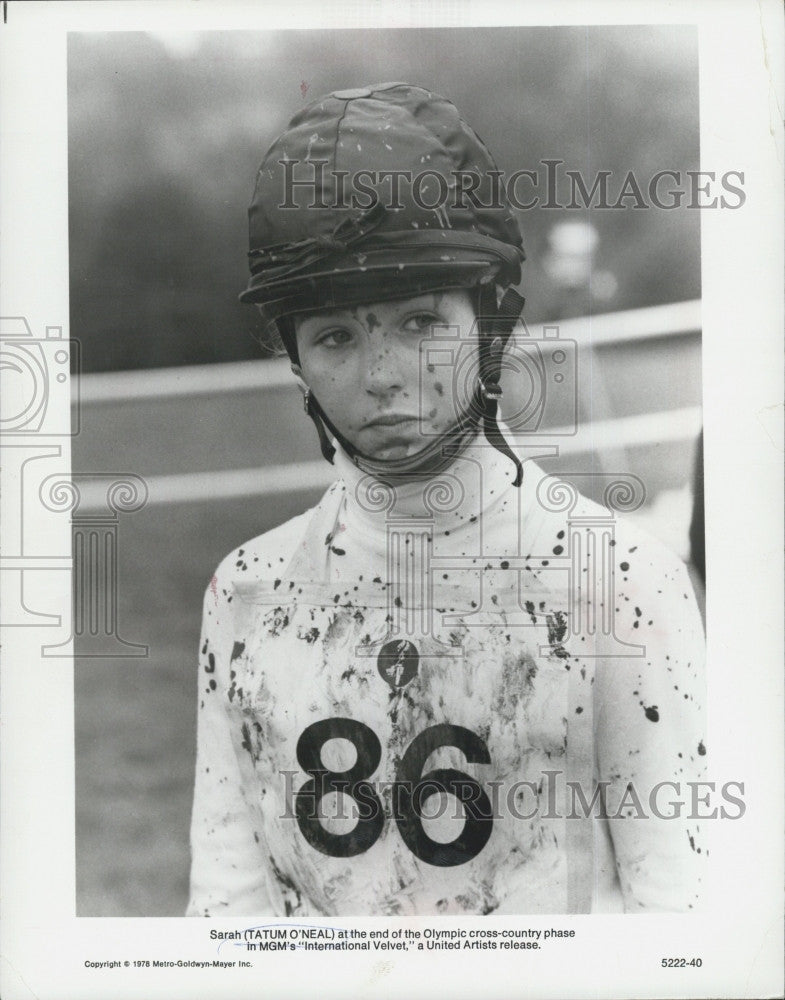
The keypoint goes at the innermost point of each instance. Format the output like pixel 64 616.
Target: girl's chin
pixel 387 446
pixel 392 448
pixel 391 452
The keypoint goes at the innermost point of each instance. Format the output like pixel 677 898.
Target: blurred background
pixel 165 135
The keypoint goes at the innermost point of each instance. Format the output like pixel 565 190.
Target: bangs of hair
pixel 270 335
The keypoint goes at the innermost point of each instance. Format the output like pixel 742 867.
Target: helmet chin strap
pixel 429 461
pixel 495 332
pixel 437 455
pixel 483 409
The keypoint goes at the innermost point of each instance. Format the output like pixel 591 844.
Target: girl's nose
pixel 383 370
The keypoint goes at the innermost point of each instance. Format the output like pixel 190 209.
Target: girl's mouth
pixel 391 420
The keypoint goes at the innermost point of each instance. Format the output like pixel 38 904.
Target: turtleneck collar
pixel 473 486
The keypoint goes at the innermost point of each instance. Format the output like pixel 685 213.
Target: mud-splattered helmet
pixel 379 193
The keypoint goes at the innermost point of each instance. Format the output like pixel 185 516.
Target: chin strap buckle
pixel 492 343
pixel 490 390
pixel 313 410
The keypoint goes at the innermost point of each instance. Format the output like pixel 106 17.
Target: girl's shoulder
pixel 637 568
pixel 266 556
pixel 555 508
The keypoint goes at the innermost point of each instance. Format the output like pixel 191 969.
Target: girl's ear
pixel 298 374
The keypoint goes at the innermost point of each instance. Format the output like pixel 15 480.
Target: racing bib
pixel 410 764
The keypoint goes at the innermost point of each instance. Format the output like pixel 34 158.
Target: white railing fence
pixel 211 432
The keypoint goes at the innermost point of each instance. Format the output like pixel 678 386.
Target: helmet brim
pixel 338 287
pixel 378 273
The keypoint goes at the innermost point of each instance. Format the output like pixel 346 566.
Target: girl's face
pixel 388 380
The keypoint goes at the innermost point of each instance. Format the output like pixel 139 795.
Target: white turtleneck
pixel 642 715
pixel 469 506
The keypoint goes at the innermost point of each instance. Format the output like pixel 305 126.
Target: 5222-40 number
pixel 682 963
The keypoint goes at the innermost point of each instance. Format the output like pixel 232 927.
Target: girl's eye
pixel 420 322
pixel 337 337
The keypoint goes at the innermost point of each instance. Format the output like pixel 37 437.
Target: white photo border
pixel 45 949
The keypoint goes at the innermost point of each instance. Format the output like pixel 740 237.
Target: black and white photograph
pixel 469 589
pixel 384 586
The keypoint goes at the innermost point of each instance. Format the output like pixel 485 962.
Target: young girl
pixel 455 685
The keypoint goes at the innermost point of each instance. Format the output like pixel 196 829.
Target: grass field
pixel 135 717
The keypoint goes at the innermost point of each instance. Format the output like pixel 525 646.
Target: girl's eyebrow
pixel 427 302
pixel 317 321
pixel 420 303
